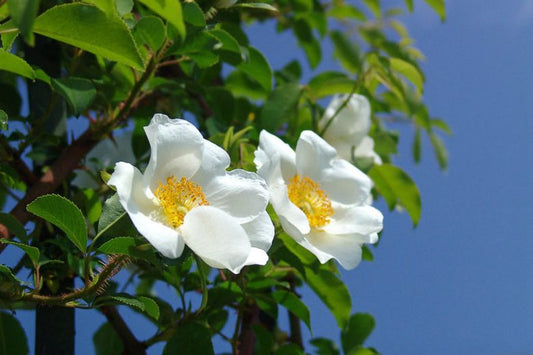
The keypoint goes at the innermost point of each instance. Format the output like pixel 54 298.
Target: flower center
pixel 179 197
pixel 311 199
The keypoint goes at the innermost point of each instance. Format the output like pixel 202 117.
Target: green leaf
pixel 409 71
pixel 12 336
pixel 439 7
pixel 64 214
pixel 150 307
pixel 304 33
pixel 150 30
pixel 23 13
pixel 107 6
pixel 32 252
pixel 332 291
pixel 294 305
pixel 289 349
pixel 10 286
pixel 118 245
pixel 280 106
pixel 193 14
pixel 141 303
pixel 258 68
pixel 409 4
pixel 330 83
pixel 79 92
pixel 325 346
pixel 190 339
pixel 3 120
pixel 440 150
pixel 356 331
pixel 14 226
pixel 12 63
pixel 106 341
pixel 346 11
pixel 417 146
pixel 170 10
pixel 257 6
pixel 114 220
pixel 397 187
pixel 241 84
pixel 123 7
pixel 89 28
pixel 346 51
pixel 228 42
pixel 374 6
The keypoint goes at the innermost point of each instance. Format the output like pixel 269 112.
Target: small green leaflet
pixel 32 252
pixel 170 10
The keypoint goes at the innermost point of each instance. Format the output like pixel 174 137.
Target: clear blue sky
pixel 460 283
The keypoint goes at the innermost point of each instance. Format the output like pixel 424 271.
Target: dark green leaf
pixel 227 41
pixel 10 286
pixel 439 7
pixel 333 292
pixel 23 13
pixel 356 331
pixel 193 14
pixel 64 214
pixel 241 84
pixel 417 146
pixel 14 226
pixel 79 92
pixel 89 28
pixel 150 30
pixel 330 83
pixel 118 245
pixel 325 346
pixel 106 341
pixel 301 5
pixel 12 63
pixel 289 349
pixel 294 305
pixel 280 106
pixel 304 33
pixel 346 51
pixel 190 339
pixel 258 68
pixel 170 10
pixel 12 336
pixel 114 220
pixel 264 340
pixel 141 303
pixel 397 187
pixel 32 252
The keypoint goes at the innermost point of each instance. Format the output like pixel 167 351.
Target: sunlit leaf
pixel 346 51
pixel 439 7
pixel 397 187
pixel 12 63
pixel 330 83
pixel 294 305
pixel 170 10
pixel 118 245
pixel 150 30
pixel 409 71
pixel 64 214
pixel 356 331
pixel 257 6
pixel 89 28
pixel 258 68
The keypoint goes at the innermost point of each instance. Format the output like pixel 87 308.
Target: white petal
pixel 257 257
pixel 313 155
pixel 216 237
pixel 176 149
pixel 269 146
pixel 242 194
pixel 345 249
pixel 344 183
pixel 260 231
pixel 293 220
pixel 365 149
pixel 215 160
pixel 363 220
pixel 129 184
pixel 352 122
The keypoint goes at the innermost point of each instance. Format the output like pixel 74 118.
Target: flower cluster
pixel 186 196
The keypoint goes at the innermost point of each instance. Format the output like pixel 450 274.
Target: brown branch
pixel 247 338
pixel 132 346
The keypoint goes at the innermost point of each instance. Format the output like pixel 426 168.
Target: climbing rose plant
pixel 152 159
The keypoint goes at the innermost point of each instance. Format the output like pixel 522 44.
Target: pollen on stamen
pixel 311 199
pixel 176 198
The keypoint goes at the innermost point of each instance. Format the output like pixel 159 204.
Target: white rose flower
pixel 349 129
pixel 186 197
pixel 321 200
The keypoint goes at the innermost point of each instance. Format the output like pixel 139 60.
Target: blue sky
pixel 460 283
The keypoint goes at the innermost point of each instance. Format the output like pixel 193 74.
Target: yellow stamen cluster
pixel 311 199
pixel 179 197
